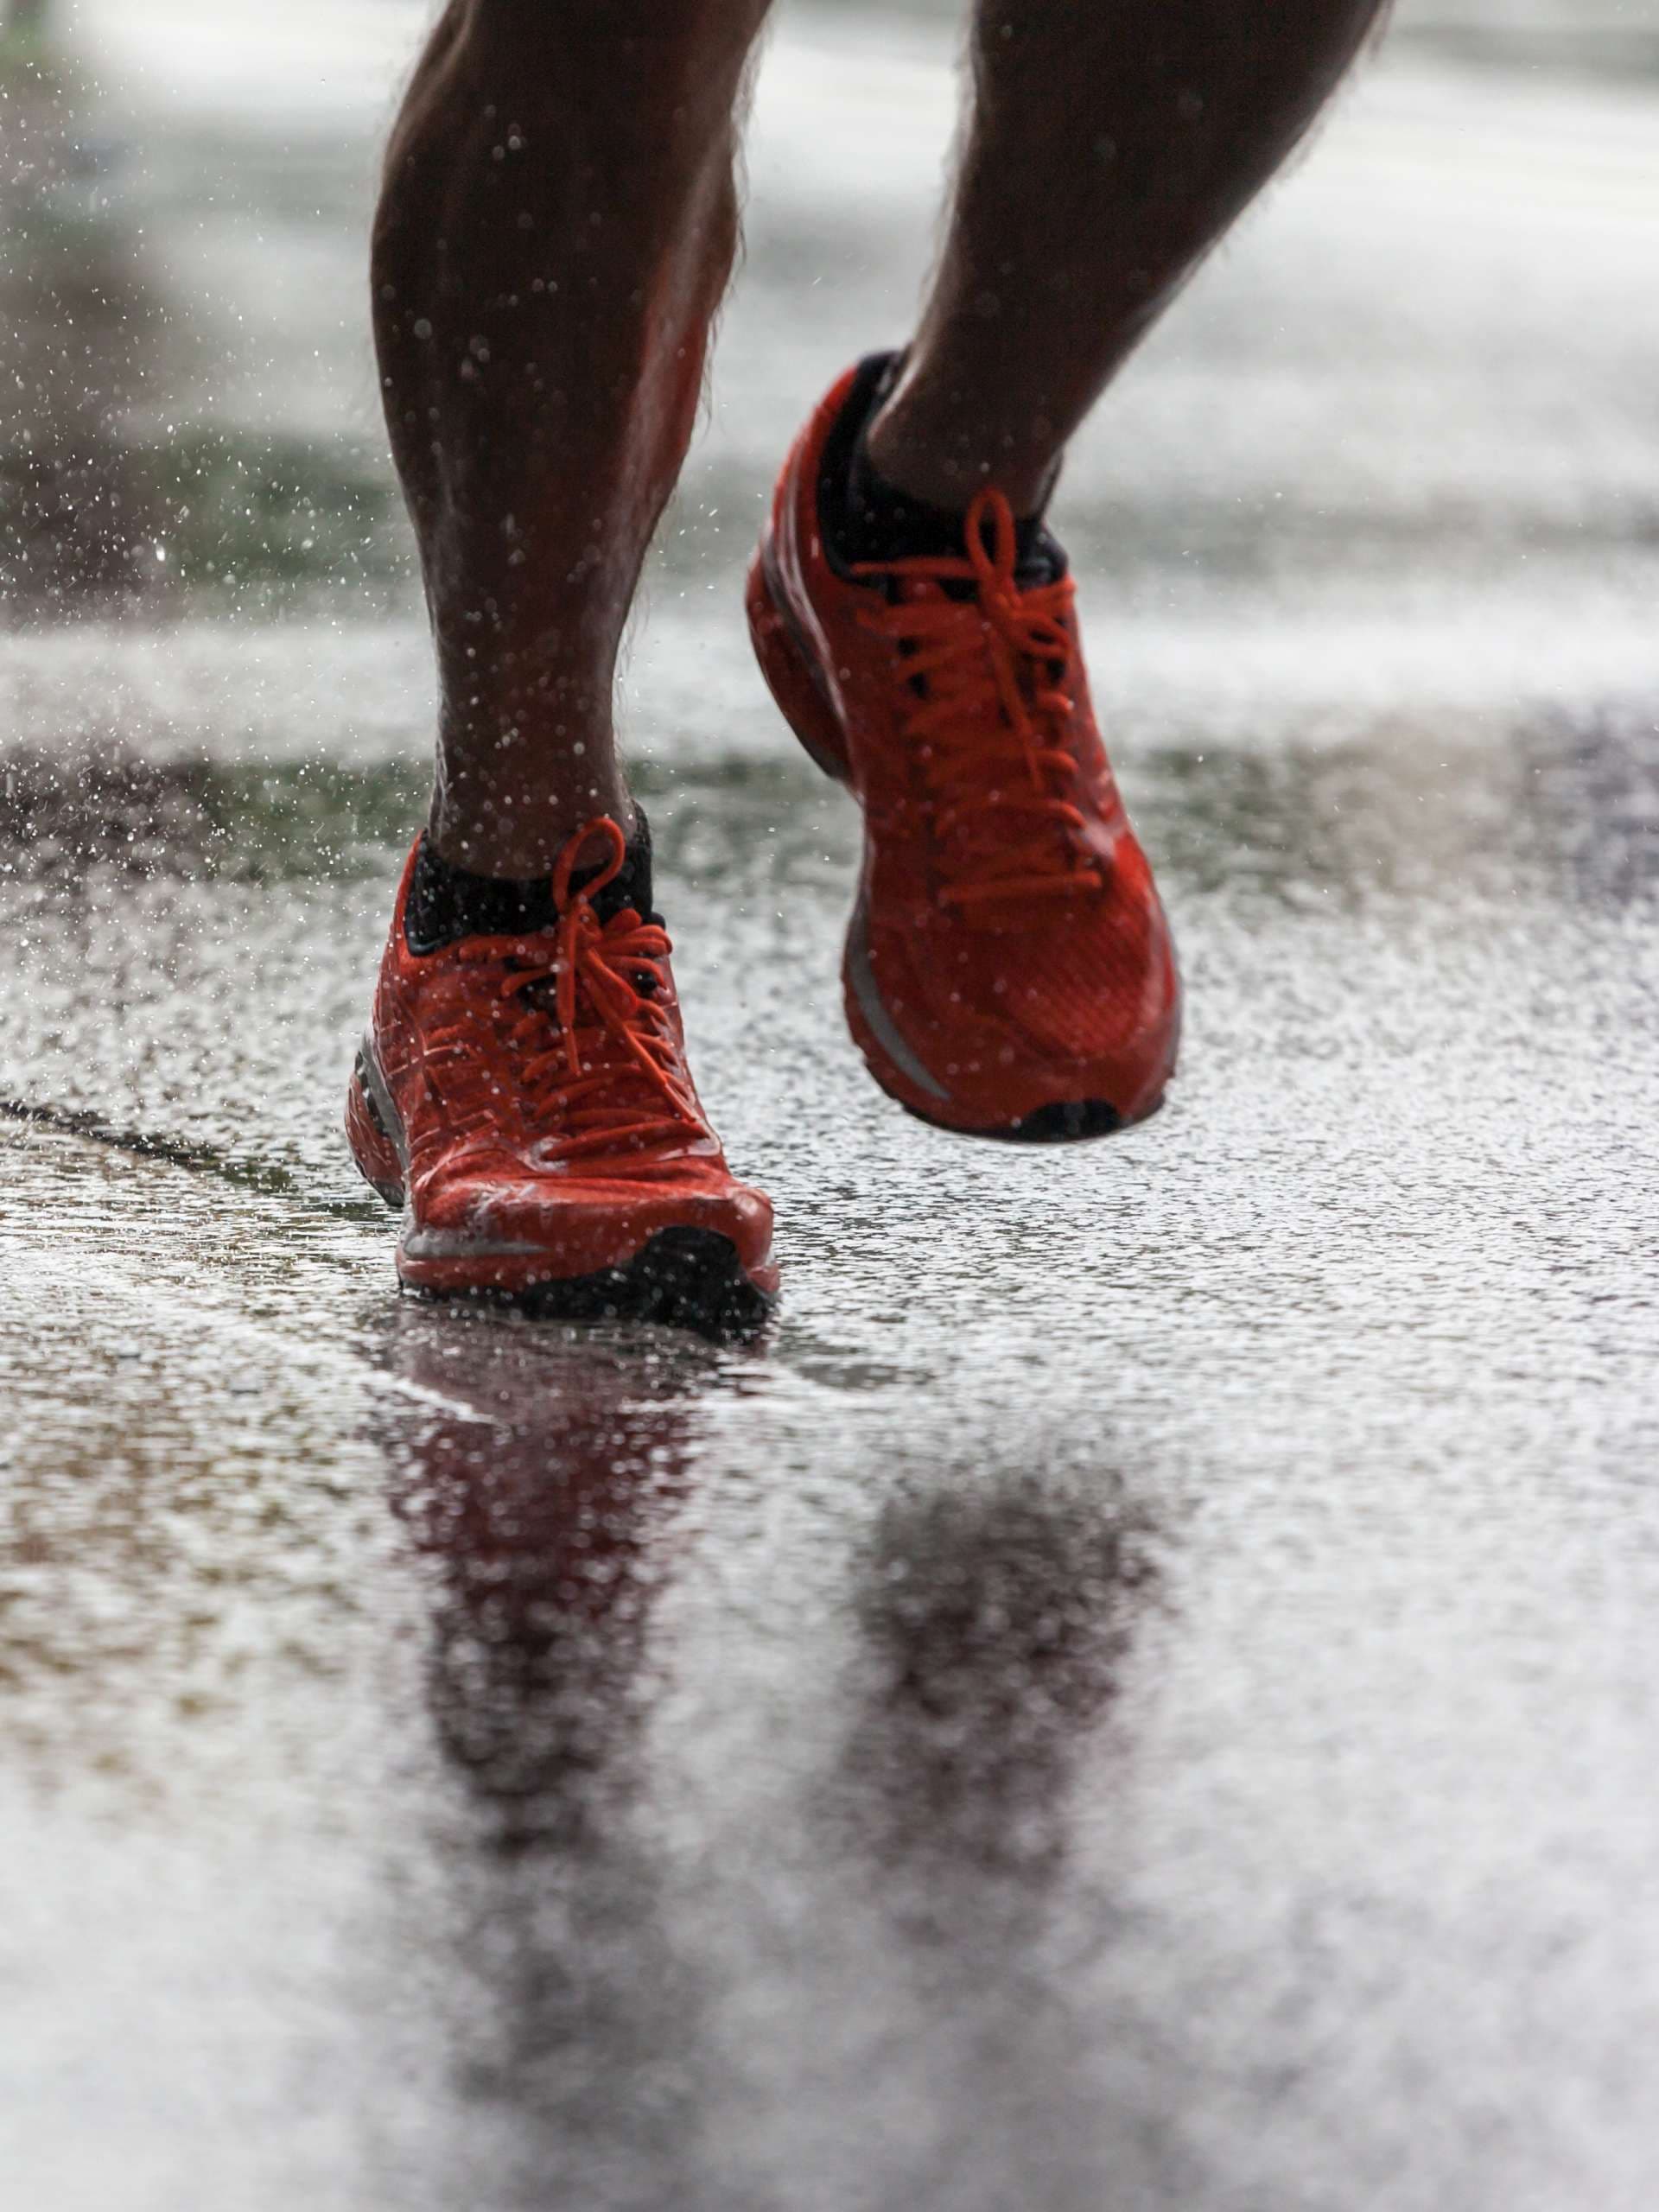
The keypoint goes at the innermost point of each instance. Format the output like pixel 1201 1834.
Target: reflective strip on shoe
pixel 871 1005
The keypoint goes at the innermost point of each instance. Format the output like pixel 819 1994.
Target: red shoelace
pixel 599 1064
pixel 989 675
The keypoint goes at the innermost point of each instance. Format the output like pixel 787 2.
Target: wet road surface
pixel 1139 1691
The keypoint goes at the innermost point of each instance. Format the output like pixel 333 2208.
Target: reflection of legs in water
pixel 542 1498
pixel 982 1799
pixel 558 222
pixel 995 1615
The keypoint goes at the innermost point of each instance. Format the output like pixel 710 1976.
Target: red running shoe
pixel 1008 971
pixel 525 1101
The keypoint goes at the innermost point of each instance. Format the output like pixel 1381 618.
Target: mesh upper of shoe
pixel 1079 992
pixel 556 1051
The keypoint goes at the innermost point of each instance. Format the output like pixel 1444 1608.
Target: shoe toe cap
pixel 574 1224
pixel 1074 1033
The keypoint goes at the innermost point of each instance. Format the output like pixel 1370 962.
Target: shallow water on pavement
pixel 1140 1690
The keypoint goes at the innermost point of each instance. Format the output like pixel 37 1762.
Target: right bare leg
pixel 557 225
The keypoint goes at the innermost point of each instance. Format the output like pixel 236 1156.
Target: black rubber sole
pixel 1073 1121
pixel 683 1279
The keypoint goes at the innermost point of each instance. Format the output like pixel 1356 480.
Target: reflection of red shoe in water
pixel 543 1475
pixel 543 1478
pixel 1008 971
pixel 526 1100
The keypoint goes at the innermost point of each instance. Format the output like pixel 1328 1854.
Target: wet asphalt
pixel 1141 1690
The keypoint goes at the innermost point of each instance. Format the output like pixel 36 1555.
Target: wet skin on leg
pixel 557 223
pixel 1111 143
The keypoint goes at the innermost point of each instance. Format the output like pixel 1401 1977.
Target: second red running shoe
pixel 1008 971
pixel 524 1101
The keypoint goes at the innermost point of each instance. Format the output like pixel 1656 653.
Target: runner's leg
pixel 1111 145
pixel 558 224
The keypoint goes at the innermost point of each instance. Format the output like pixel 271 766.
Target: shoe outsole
pixel 684 1277
pixel 681 1278
pixel 1066 1121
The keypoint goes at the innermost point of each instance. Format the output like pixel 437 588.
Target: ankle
pixel 520 771
pixel 521 834
pixel 447 902
pixel 869 522
pixel 926 443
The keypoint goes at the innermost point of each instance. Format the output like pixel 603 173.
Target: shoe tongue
pixel 884 524
pixel 1039 559
pixel 447 904
pixel 630 887
pixel 865 518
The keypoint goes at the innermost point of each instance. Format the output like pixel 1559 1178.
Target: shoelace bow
pixel 612 1081
pixel 988 703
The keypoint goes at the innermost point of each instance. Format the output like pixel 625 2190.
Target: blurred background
pixel 1140 1692
pixel 1402 433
